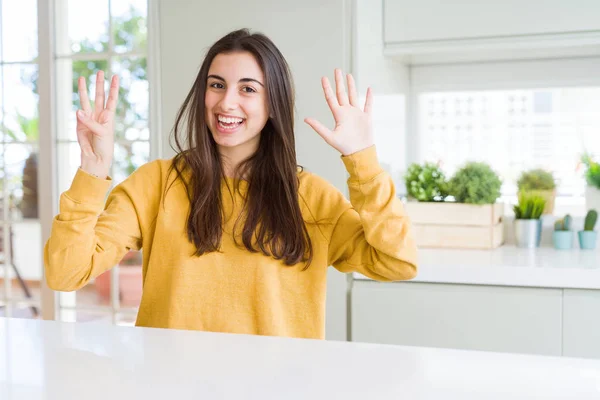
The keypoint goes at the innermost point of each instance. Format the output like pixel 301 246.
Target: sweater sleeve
pixel 372 235
pixel 92 233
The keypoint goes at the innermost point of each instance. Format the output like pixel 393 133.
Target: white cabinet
pixel 581 326
pixel 434 20
pixel 434 31
pixel 491 318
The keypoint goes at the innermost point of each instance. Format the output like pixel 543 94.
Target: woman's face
pixel 236 103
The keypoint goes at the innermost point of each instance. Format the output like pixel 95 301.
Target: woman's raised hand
pixel 95 127
pixel 353 128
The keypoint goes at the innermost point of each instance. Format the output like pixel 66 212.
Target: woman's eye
pixel 217 85
pixel 248 89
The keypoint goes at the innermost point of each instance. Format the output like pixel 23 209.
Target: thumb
pixel 85 145
pixel 321 129
pixel 89 123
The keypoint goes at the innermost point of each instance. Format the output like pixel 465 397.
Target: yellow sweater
pixel 233 291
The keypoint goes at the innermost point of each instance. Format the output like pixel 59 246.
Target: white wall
pixel 389 80
pixel 313 35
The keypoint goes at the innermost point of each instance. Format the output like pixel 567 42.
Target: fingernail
pixel 80 114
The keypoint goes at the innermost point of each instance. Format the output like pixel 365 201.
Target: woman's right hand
pixel 95 128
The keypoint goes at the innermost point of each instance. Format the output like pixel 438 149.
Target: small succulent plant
pixel 564 224
pixel 590 220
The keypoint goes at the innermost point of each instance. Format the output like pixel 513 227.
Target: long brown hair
pixel 273 221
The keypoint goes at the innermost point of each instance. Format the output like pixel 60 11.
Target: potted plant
pixel 592 178
pixel 562 237
pixel 588 236
pixel 528 222
pixel 426 182
pixel 540 182
pixel 472 218
pixel 475 183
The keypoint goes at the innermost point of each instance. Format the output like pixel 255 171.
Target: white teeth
pixel 229 120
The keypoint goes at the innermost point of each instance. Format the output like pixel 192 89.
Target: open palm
pixel 353 127
pixel 95 128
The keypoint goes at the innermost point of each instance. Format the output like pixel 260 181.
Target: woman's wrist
pixel 97 171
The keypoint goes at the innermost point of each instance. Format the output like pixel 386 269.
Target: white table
pixel 510 266
pixel 62 361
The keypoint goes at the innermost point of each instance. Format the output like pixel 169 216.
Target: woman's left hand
pixel 353 131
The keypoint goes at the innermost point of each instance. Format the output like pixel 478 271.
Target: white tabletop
pixel 511 266
pixel 62 361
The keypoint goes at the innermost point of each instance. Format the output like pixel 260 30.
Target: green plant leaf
pixel 530 206
pixel 426 182
pixel 475 183
pixel 536 179
pixel 592 173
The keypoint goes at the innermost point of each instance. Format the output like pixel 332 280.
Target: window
pixel 20 250
pixel 109 36
pixel 89 36
pixel 513 130
pixel 505 116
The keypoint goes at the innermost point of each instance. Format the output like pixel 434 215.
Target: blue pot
pixel 587 239
pixel 563 240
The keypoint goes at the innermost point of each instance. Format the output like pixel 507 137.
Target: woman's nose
pixel 229 100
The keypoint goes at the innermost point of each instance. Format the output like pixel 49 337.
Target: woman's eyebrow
pixel 241 80
pixel 251 80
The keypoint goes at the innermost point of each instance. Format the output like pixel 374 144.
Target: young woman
pixel 236 238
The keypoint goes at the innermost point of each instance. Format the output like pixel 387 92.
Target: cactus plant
pixel 590 220
pixel 564 224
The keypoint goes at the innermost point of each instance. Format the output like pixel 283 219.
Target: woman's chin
pixel 226 141
pixel 237 143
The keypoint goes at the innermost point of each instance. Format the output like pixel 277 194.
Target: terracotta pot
pixel 130 286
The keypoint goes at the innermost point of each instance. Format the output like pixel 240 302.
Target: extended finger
pixel 321 129
pixel 369 101
pixel 113 95
pixel 99 103
pixel 340 89
pixel 352 95
pixel 83 96
pixel 329 96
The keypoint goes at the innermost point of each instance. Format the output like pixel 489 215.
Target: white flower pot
pixel 592 198
pixel 528 232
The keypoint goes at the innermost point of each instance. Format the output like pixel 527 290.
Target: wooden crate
pixel 456 225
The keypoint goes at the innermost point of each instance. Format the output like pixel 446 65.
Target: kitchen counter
pixel 510 266
pixel 62 361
